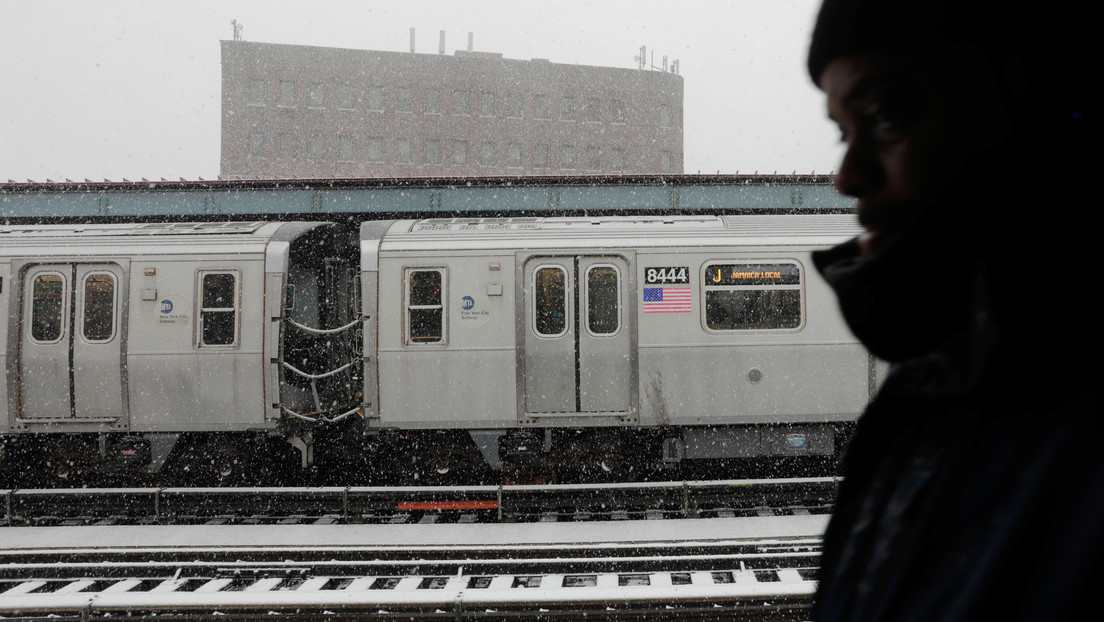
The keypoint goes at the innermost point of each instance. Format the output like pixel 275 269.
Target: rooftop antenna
pixel 441 49
pixel 643 61
pixel 411 39
pixel 237 29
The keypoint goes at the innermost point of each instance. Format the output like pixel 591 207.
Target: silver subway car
pixel 561 346
pixel 122 340
pixel 597 342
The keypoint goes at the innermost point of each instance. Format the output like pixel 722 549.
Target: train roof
pixel 136 238
pixel 621 231
pixel 121 229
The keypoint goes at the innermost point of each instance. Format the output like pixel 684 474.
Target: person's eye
pixel 887 125
pixel 892 113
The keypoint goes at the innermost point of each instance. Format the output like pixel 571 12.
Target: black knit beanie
pixel 1046 59
pixel 902 28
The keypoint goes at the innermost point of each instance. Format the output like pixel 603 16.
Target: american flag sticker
pixel 667 300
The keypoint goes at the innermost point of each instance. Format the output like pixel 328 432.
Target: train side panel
pixel 185 374
pixel 694 374
pixel 446 348
pixel 157 328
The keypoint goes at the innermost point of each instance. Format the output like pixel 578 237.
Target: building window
pixel 402 151
pixel 594 158
pixel 513 155
pixel 540 155
pixel 317 97
pixel 567 156
pixel 375 149
pixel 617 111
pixel 567 108
pixel 218 311
pixel 487 153
pixel 403 101
pixel 542 108
pixel 459 152
pixel 664 115
pixel 513 105
pixel 375 98
pixel 752 296
pixel 433 101
pixel 256 145
pixel 425 306
pixel 316 147
pixel 433 151
pixel 98 324
pixel 460 102
pixel 255 92
pixel 487 104
pixel 285 146
pixel 346 151
pixel 287 93
pixel 617 160
pixel 346 97
pixel 594 110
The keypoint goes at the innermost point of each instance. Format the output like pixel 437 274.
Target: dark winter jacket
pixel 974 483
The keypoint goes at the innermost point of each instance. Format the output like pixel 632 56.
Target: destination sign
pixel 753 274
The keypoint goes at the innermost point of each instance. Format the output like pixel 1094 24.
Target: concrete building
pixel 300 111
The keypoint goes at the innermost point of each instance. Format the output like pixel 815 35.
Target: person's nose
pixel 859 174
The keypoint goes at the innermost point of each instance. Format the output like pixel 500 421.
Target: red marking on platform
pixel 448 505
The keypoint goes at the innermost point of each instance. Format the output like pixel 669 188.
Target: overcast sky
pixel 129 89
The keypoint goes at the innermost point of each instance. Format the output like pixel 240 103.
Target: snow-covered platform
pixel 605 533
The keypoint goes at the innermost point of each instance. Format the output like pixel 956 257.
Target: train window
pixel 752 296
pixel 99 307
pixel 48 307
pixel 425 309
pixel 550 301
pixel 218 313
pixel 603 300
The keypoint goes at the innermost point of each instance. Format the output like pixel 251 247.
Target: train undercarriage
pixel 348 455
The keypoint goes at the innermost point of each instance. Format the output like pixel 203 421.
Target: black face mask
pixel 915 292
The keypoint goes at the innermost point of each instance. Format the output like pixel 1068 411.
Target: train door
pixel 71 346
pixel 579 345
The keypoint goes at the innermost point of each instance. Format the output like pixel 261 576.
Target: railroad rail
pixel 525 503
pixel 739 568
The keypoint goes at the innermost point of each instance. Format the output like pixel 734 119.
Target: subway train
pixel 417 350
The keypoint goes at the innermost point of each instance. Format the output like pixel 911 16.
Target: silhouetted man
pixel 973 484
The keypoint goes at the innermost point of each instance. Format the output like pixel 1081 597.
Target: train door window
pixel 603 300
pixel 425 309
pixel 218 313
pixel 98 323
pixel 550 301
pixel 748 296
pixel 48 307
